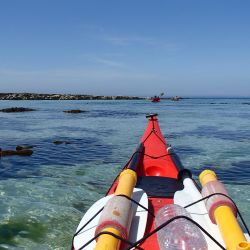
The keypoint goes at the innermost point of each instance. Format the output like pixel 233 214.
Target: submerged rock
pixel 23 152
pixel 74 111
pixel 20 228
pixel 61 142
pixel 19 147
pixel 16 109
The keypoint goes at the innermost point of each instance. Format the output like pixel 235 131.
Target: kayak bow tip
pixel 151 115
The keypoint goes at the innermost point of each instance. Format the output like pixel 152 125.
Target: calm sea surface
pixel 43 197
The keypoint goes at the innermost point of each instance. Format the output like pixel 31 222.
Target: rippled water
pixel 43 197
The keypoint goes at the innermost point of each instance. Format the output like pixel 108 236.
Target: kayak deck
pixel 161 179
pixel 156 175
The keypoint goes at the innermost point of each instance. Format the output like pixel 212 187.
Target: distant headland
pixel 35 96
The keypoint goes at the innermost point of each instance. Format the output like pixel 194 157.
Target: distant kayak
pixel 155 99
pixel 154 203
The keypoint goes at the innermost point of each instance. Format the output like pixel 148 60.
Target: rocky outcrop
pixel 34 96
pixel 16 109
pixel 23 152
pixel 74 111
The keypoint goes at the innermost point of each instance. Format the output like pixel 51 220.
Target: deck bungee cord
pixel 153 179
pixel 134 244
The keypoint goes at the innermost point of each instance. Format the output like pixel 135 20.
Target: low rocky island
pixel 34 96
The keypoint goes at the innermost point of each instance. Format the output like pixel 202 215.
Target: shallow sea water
pixel 43 197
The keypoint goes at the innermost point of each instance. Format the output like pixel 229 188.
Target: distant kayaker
pixel 157 98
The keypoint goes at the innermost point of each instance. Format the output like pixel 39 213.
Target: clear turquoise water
pixel 43 197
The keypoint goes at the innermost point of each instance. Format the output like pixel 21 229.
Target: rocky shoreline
pixel 34 96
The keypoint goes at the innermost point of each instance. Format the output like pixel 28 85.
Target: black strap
pixel 137 203
pixel 112 234
pixel 168 222
pixel 238 211
pixel 135 244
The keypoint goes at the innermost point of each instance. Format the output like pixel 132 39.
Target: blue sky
pixel 133 47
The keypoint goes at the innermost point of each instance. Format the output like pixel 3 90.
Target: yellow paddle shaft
pixel 108 242
pixel 231 232
pixel 127 181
